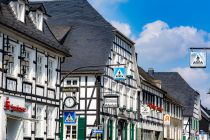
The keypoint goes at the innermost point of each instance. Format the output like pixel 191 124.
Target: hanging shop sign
pixel 119 73
pixel 197 59
pixel 111 101
pixel 167 119
pixel 69 89
pixel 9 106
pixel 69 118
pixel 145 110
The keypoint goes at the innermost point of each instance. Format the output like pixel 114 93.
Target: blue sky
pixel 163 30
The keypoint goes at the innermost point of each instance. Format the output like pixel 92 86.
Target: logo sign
pixel 167 119
pixel 198 59
pixel 12 107
pixel 69 89
pixel 119 73
pixel 145 110
pixel 111 101
pixel 69 118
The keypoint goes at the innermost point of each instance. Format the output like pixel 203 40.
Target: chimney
pixel 151 72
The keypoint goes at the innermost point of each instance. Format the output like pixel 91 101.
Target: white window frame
pixel 27 123
pixel 39 130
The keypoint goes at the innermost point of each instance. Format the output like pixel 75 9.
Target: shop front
pixel 13 114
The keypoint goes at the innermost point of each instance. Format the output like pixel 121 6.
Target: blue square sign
pixel 119 73
pixel 69 117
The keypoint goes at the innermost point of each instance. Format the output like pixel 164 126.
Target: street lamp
pixel 98 96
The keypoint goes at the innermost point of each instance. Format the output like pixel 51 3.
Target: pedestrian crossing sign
pixel 69 117
pixel 119 73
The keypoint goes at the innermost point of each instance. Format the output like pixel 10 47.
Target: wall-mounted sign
pixel 145 110
pixel 11 107
pixel 119 73
pixel 197 59
pixel 111 101
pixel 69 89
pixel 167 119
pixel 69 118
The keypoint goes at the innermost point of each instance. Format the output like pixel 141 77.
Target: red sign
pixel 12 107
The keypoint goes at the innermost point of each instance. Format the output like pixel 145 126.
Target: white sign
pixel 167 119
pixel 145 110
pixel 110 102
pixel 198 59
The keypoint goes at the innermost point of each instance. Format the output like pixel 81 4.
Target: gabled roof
pixel 178 89
pixel 90 37
pixel 8 19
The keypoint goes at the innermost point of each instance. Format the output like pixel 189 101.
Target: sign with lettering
pixel 69 89
pixel 198 59
pixel 12 107
pixel 167 119
pixel 111 101
pixel 145 110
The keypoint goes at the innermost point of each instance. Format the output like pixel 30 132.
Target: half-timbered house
pixel 179 89
pixel 95 44
pixel 30 65
pixel 150 126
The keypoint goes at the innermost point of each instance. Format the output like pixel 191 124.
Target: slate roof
pixel 86 32
pixel 8 19
pixel 178 89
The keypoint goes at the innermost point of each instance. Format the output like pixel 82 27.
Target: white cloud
pixel 198 79
pixel 122 27
pixel 160 43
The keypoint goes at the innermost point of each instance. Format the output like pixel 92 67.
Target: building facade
pixel 179 90
pixel 30 65
pixel 96 46
pixel 150 126
pixel 173 119
pixel 204 124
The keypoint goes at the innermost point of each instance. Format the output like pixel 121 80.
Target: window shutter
pixel 81 128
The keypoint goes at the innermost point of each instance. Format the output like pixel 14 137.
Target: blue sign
pixel 97 131
pixel 119 73
pixel 69 117
pixel 202 132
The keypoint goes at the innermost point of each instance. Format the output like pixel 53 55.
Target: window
pixel 39 124
pixel 27 123
pixel 27 68
pixel 19 10
pixel 39 68
pixel 11 84
pixel 71 132
pixel 50 72
pixel 39 20
pixel 27 88
pixel 10 60
pixel 50 122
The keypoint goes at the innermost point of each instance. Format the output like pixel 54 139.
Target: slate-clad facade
pixel 30 65
pixel 93 42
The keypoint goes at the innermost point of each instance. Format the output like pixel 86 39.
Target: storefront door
pixel 14 129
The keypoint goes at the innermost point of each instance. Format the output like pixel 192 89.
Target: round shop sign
pixel 145 110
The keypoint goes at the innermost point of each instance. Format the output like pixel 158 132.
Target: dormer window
pixel 39 20
pixel 19 9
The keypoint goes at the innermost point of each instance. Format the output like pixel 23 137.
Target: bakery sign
pixel 12 105
pixel 111 101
